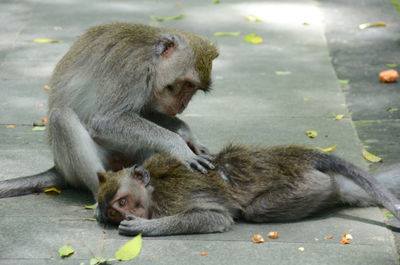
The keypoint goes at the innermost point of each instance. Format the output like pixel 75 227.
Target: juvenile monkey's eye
pixel 170 88
pixel 122 202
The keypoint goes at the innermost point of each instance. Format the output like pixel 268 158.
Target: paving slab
pixel 249 103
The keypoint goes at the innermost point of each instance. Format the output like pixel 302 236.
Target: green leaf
pixel 254 19
pixel 369 25
pixel 343 82
pixel 391 65
pixel 391 109
pixel 38 128
pixel 388 214
pixel 339 117
pixel 216 1
pixel 370 157
pixel 90 207
pixel 227 33
pixel 283 73
pixel 253 38
pixel 65 251
pixel 40 40
pixel 130 250
pixel 312 134
pixel 167 18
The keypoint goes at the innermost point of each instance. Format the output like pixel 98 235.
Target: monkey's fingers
pixel 202 164
pixel 196 165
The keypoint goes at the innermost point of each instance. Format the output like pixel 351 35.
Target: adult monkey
pixel 113 100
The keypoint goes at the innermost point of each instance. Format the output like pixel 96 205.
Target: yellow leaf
pixel 166 18
pixel 47 41
pixel 312 134
pixel 253 38
pixel 254 19
pixel 326 149
pixel 65 251
pixel 227 33
pixel 369 25
pixel 52 191
pixel 130 250
pixel 370 157
pixel 11 126
pixel 90 207
pixel 339 117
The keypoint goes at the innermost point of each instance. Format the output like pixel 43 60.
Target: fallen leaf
pixel 254 19
pixel 52 191
pixel 45 120
pixel 130 250
pixel 339 117
pixel 237 33
pixel 90 206
pixel 305 99
pixel 388 214
pixel 312 134
pixel 11 126
pixel 216 1
pixel 328 237
pixel 369 25
pixel 326 149
pixel 65 251
pixel 203 253
pixel 370 157
pixel 306 23
pixel 273 235
pixel 167 18
pixel 283 73
pixel 177 4
pixel 46 41
pixel 301 249
pixel 57 28
pixel 392 109
pixel 388 76
pixel 98 261
pixel 47 87
pixel 257 238
pixel 343 82
pixel 253 38
pixel 38 128
pixel 345 239
pixel 391 65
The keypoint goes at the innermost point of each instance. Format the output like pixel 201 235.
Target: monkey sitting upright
pixel 272 184
pixel 113 102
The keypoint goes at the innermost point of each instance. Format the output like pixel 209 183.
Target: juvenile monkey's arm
pixel 180 127
pixel 194 222
pixel 129 129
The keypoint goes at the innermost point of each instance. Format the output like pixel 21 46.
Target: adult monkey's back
pixel 113 100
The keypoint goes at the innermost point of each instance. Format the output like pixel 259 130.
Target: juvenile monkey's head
pixel 183 66
pixel 122 193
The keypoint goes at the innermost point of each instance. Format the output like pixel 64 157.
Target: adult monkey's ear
pixel 166 45
pixel 102 177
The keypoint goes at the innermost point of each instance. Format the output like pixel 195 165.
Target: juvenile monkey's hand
pixel 135 225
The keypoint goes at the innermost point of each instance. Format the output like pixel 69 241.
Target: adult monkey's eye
pixel 122 202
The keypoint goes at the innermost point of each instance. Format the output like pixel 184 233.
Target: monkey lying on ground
pixel 273 184
pixel 113 100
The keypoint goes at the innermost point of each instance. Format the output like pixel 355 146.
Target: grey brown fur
pixel 114 97
pixel 273 184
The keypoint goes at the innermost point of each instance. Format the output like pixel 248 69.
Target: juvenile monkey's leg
pixel 77 157
pixel 193 222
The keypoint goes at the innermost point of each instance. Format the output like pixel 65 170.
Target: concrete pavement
pixel 250 103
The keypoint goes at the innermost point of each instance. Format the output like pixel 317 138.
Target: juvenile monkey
pixel 272 184
pixel 113 101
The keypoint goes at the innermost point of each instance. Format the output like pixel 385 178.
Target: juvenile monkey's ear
pixel 141 174
pixel 102 177
pixel 166 46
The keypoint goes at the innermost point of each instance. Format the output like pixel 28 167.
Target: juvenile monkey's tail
pixel 378 190
pixel 31 184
